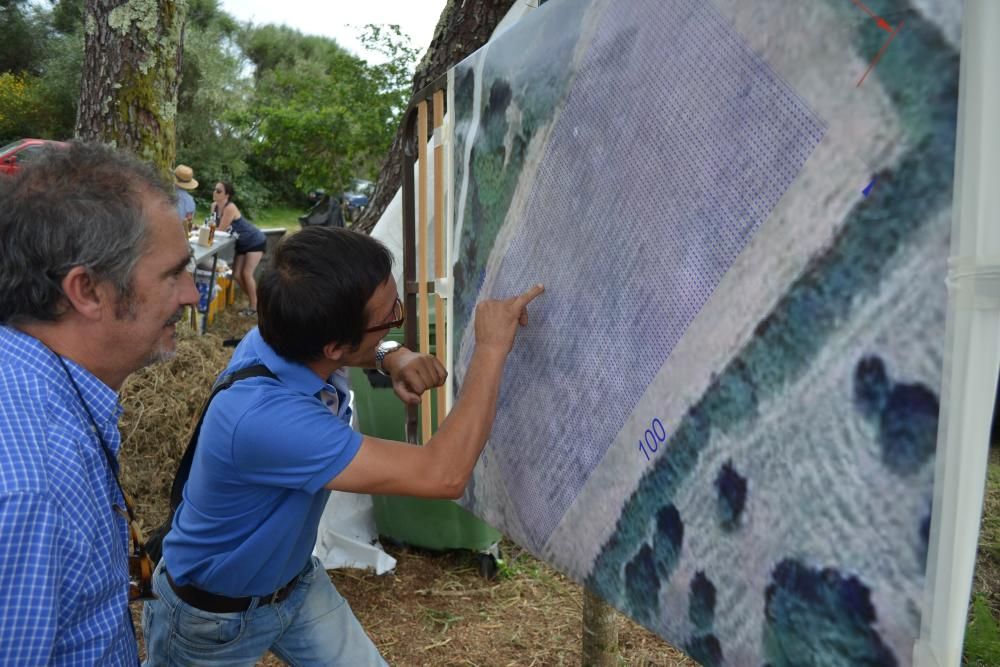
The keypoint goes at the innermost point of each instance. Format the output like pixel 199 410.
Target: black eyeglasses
pixel 219 190
pixel 398 317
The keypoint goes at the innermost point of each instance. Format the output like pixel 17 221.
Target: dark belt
pixel 220 604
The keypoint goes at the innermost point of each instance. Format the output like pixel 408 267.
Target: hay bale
pixel 161 405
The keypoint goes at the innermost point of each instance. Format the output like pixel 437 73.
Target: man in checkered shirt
pixel 92 281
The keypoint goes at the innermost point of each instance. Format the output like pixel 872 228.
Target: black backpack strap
pixel 154 543
pixel 224 382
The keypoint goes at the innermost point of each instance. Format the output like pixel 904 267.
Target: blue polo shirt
pixel 251 507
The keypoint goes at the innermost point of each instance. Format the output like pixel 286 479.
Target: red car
pixel 16 155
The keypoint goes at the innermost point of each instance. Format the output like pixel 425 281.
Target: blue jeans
pixel 313 626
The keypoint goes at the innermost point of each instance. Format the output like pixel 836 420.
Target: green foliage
pixel 21 33
pixel 40 72
pixel 322 115
pixel 271 48
pixel 267 108
pixel 67 16
pixel 58 87
pixel 15 105
pixel 208 14
pixel 212 104
pixel 391 77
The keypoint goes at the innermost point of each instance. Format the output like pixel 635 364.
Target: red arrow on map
pixel 881 22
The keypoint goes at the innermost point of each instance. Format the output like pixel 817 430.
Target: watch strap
pixel 383 349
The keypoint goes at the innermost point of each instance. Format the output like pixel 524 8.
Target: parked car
pixel 16 155
pixel 356 199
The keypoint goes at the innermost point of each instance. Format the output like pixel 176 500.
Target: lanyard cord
pixel 130 515
pixel 100 439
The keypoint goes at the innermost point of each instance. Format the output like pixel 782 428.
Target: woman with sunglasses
pixel 250 242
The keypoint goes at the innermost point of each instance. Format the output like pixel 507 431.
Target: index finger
pixel 529 296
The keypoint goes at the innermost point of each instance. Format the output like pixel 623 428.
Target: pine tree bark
pixel 600 632
pixel 464 26
pixel 131 72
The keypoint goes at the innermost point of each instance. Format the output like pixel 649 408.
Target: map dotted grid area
pixel 674 145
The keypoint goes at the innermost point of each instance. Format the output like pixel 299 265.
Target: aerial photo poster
pixel 722 417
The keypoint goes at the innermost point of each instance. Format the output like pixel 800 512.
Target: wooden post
pixel 410 257
pixel 422 310
pixel 600 632
pixel 441 313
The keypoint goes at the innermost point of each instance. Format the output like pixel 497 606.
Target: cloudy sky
pixel 343 20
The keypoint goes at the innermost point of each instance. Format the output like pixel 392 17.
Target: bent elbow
pixel 457 493
pixel 453 489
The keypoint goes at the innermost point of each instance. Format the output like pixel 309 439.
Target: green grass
pixel 279 216
pixel 266 218
pixel 982 634
pixel 989 532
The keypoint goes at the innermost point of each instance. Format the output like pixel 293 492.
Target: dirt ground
pixel 434 609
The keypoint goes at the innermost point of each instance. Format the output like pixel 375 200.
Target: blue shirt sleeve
pixel 294 443
pixel 30 573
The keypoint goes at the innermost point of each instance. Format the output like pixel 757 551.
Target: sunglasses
pixel 398 317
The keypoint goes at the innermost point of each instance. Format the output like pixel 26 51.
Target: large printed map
pixel 722 417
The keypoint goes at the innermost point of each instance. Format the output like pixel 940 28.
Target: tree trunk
pixel 464 26
pixel 600 632
pixel 131 72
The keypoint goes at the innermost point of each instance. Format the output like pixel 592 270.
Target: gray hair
pixel 80 205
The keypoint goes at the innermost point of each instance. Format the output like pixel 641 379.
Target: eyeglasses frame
pixel 393 324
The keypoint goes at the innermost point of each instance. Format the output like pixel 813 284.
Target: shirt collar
pixel 28 351
pixel 292 374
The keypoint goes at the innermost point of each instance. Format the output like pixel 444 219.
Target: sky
pixel 343 20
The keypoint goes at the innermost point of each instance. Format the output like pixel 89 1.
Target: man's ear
pixel 334 351
pixel 85 294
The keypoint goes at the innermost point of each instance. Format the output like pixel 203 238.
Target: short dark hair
pixel 77 205
pixel 316 288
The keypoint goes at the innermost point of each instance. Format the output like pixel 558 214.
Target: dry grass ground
pixel 435 609
pixel 987 577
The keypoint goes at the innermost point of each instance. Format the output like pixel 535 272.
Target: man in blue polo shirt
pixel 92 281
pixel 237 577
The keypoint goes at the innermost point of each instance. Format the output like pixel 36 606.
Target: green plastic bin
pixel 430 524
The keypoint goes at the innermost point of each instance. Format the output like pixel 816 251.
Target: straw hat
pixel 184 177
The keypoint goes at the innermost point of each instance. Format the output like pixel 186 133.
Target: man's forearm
pixel 461 438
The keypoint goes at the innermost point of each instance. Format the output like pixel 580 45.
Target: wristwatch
pixel 384 348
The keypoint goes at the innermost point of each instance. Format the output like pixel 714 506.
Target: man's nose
pixel 189 293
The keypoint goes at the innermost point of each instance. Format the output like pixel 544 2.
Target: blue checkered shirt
pixel 63 549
